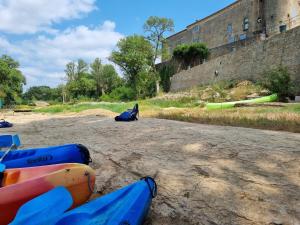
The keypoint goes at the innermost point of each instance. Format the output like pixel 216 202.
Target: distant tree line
pixel 135 55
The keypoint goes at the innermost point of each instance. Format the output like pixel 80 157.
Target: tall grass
pixel 285 119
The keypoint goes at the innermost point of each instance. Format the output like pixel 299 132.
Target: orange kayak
pixel 24 184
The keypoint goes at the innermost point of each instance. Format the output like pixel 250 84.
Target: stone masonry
pixel 249 62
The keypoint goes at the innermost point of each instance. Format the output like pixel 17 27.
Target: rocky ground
pixel 207 175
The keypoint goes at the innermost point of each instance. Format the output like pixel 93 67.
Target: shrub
pixel 180 52
pixel 146 84
pixel 198 51
pixel 119 94
pixel 278 81
pixel 165 73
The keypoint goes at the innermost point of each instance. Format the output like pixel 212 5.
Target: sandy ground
pixel 208 175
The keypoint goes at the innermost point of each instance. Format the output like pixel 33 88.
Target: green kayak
pixel 229 105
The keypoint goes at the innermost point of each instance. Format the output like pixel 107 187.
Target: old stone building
pixel 242 20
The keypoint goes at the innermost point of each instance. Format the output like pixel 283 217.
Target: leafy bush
pixel 119 94
pixel 278 81
pixel 146 84
pixel 198 51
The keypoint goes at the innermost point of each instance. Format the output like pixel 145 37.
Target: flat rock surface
pixel 208 175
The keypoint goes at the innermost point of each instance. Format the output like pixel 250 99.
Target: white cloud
pixel 31 16
pixel 43 58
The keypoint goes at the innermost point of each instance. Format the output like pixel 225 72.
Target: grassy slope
pixel 145 105
pixel 273 118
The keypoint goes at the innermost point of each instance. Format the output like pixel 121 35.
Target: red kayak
pixel 24 184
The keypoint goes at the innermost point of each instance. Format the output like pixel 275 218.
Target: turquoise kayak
pixel 126 206
pixel 229 105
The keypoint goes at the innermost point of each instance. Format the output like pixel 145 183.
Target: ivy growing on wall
pixel 190 55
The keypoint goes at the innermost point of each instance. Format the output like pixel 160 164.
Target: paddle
pixel 15 142
pixel 44 208
pixel 6 152
pixel 2 168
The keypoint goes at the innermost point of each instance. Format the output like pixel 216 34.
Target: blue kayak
pixel 126 206
pixel 8 141
pixel 71 153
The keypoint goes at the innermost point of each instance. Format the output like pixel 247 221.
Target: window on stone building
pixel 196 29
pixel 196 39
pixel 246 24
pixel 243 37
pixel 229 28
pixel 230 39
pixel 182 41
pixel 282 28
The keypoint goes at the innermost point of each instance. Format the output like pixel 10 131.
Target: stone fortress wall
pixel 248 62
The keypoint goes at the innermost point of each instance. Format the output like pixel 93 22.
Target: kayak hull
pixel 71 153
pixel 77 178
pixel 129 205
pixel 229 105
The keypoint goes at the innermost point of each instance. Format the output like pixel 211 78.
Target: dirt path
pixel 208 175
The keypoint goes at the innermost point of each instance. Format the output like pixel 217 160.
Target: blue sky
pixel 44 35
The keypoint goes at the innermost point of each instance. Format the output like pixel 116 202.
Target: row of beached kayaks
pixel 53 185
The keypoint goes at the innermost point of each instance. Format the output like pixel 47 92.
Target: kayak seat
pixel 11 178
pixel 85 154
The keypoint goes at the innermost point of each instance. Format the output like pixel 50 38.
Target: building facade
pixel 242 20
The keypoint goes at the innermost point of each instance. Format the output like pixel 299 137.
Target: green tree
pixel 97 73
pixel 84 87
pixel 146 84
pixel 11 80
pixel 111 79
pixel 70 71
pixel 57 94
pixel 43 93
pixel 155 28
pixel 105 76
pixel 81 68
pixel 80 83
pixel 134 55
